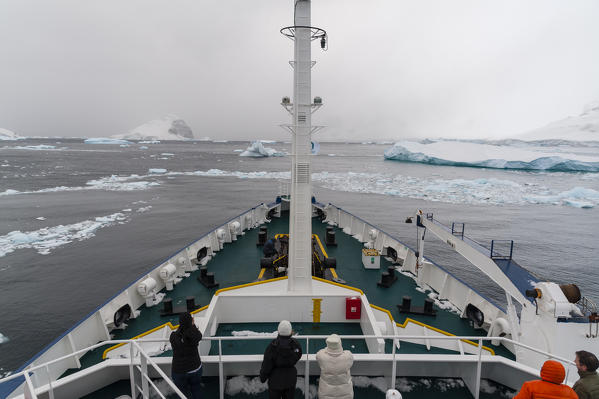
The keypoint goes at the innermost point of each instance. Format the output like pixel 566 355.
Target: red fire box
pixel 353 307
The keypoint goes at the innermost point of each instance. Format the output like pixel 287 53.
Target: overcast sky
pixel 394 69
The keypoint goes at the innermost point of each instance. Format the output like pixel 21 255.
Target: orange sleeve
pixel 524 392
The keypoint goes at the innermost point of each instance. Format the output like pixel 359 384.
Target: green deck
pixel 241 265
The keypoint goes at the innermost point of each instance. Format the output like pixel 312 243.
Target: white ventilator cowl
pixel 393 394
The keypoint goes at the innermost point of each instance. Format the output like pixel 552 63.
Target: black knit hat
pixel 185 320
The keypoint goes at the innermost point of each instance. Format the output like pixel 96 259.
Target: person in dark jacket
pixel 278 366
pixel 187 366
pixel 587 387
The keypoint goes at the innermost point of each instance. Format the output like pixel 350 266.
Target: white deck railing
pixel 139 360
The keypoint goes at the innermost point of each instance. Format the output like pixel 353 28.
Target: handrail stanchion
pixel 52 388
pixel 307 377
pixel 29 387
pixel 131 372
pixel 393 365
pixel 567 374
pixel 144 372
pixel 478 367
pixel 221 383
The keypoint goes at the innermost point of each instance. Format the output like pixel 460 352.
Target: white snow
pixel 170 127
pixel 104 140
pixel 48 238
pixel 243 384
pixel 149 142
pixel 257 150
pixel 249 333
pixel 158 171
pixel 364 382
pixel 6 134
pixel 584 127
pixel 464 153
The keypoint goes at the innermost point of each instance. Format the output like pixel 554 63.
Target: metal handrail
pixel 144 358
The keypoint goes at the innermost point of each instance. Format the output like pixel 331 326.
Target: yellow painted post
pixel 316 310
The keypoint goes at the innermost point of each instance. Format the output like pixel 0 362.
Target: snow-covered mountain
pixel 6 134
pixel 170 127
pixel 584 127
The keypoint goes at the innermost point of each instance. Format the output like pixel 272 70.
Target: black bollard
pixel 191 303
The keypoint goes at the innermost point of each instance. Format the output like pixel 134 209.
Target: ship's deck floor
pixel 238 263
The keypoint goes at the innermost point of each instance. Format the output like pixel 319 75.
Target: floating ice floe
pixel 157 171
pixel 143 147
pixel 461 153
pixel 3 338
pixel 111 183
pixel 257 150
pixel 35 147
pixel 105 140
pixel 149 142
pixel 48 238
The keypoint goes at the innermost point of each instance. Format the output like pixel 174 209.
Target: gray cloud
pixel 394 69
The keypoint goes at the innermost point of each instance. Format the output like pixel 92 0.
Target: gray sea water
pixel 77 225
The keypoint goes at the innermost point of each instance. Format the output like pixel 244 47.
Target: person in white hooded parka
pixel 335 363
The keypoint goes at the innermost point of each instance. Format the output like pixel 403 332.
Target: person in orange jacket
pixel 549 386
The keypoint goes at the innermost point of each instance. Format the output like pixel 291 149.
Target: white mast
pixel 300 218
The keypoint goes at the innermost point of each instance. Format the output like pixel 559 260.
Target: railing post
pixel 393 366
pixel 221 382
pixel 131 372
pixel 144 372
pixel 478 367
pixel 29 389
pixel 50 382
pixel 307 376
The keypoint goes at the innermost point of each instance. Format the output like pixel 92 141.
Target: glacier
pixel 483 155
pixel 6 134
pixel 257 150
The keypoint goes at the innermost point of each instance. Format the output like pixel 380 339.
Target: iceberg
pixel 104 140
pixel 257 150
pixel 170 127
pixel 481 155
pixel 6 134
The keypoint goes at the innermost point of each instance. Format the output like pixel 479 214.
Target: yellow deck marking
pixel 261 273
pixel 408 320
pixel 338 285
pixel 168 323
pixel 316 312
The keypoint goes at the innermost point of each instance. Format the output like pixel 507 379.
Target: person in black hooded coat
pixel 278 366
pixel 187 366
